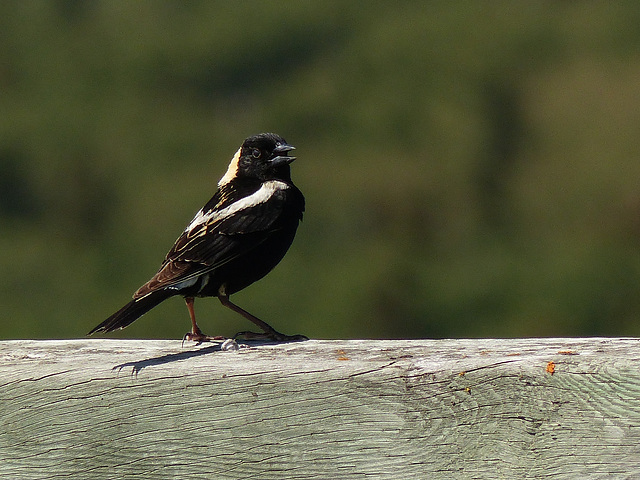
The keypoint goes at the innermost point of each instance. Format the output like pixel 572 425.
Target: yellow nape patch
pixel 232 170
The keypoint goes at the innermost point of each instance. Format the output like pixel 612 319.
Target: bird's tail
pixel 132 311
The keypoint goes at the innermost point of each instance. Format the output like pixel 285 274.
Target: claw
pixel 200 337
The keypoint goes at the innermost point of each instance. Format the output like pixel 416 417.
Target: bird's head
pixel 261 157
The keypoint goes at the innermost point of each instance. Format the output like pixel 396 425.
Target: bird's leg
pixel 269 332
pixel 195 330
pixel 196 334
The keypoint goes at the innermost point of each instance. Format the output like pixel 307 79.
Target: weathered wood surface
pixel 106 409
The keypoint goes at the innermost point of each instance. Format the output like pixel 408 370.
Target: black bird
pixel 234 240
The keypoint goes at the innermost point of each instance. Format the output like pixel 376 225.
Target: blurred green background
pixel 471 168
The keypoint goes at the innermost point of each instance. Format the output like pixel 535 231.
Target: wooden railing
pixel 334 410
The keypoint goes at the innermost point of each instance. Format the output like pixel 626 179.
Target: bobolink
pixel 234 240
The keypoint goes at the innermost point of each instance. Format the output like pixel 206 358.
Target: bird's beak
pixel 282 159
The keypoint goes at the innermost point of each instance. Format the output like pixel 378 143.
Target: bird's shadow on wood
pixel 137 366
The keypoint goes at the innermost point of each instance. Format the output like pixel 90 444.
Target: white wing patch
pixel 263 194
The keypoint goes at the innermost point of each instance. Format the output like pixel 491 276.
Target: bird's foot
pixel 200 337
pixel 272 335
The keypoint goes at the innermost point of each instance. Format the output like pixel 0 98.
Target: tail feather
pixel 132 311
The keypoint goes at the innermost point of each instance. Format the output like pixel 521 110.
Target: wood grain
pixel 105 409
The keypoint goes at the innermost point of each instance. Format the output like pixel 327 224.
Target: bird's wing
pixel 214 237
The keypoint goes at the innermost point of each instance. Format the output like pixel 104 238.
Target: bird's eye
pixel 256 153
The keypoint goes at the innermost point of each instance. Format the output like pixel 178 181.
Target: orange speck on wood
pixel 551 368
